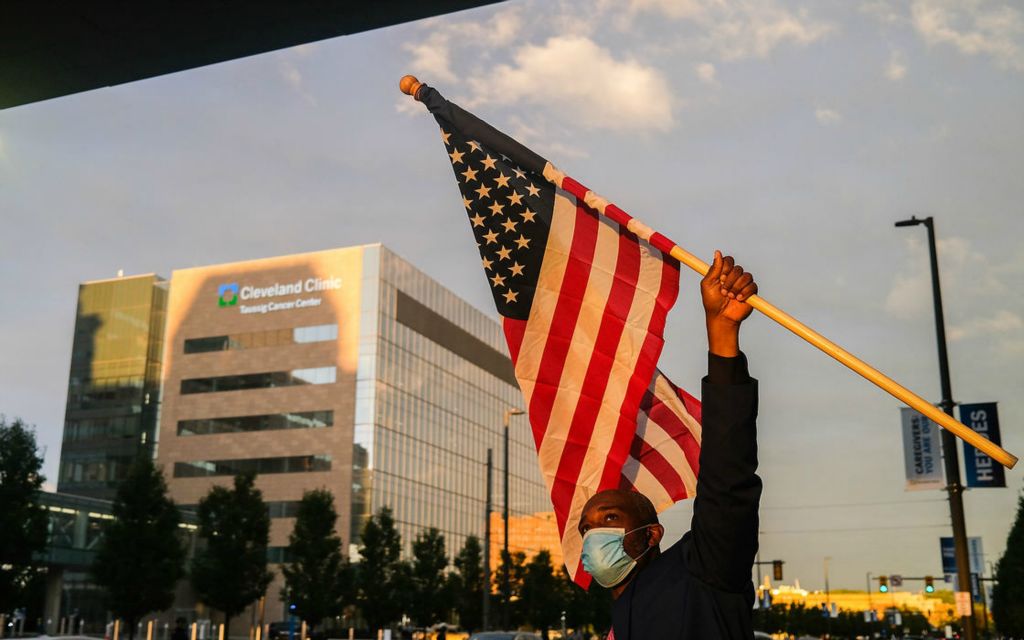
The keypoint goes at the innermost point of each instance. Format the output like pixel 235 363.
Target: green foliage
pixel 230 571
pixel 466 584
pixel 317 578
pixel 382 578
pixel 141 556
pixel 431 599
pixel 23 532
pixel 543 596
pixel 1008 594
pixel 512 567
pixel 586 609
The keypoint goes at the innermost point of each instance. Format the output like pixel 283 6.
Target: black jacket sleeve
pixel 723 534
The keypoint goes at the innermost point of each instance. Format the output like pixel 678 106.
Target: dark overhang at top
pixel 50 49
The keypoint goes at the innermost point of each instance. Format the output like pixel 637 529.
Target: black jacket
pixel 700 587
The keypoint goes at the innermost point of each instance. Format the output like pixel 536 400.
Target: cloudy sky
pixel 791 135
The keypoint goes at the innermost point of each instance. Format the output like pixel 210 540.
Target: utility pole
pixel 487 541
pixel 949 449
pixel 506 558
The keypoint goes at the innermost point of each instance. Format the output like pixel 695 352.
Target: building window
pixel 269 422
pixel 259 339
pixel 275 509
pixel 268 380
pixel 278 555
pixel 260 466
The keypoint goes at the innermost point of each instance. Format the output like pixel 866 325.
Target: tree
pixel 141 556
pixel 466 584
pixel 1008 594
pixel 543 595
pixel 380 574
pixel 315 574
pixel 431 597
pixel 586 609
pixel 24 521
pixel 514 566
pixel 230 571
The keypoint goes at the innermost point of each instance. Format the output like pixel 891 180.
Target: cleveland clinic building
pixel 346 369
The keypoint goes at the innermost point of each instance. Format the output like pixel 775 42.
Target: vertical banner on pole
pixel 981 470
pixel 922 452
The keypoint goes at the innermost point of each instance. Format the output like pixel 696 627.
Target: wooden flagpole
pixel 881 380
pixel 410 85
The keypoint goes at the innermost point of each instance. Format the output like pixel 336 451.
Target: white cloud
pixel 1002 322
pixel 881 10
pixel 432 58
pixel 827 117
pixel 575 75
pixel 896 68
pixel 973 27
pixel 742 29
pixel 968 272
pixel 706 73
pixel 293 78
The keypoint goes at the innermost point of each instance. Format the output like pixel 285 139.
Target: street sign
pixel 979 469
pixel 896 580
pixel 922 452
pixel 963 603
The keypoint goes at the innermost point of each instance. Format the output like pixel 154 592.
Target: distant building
pixel 114 382
pixel 937 607
pixel 347 369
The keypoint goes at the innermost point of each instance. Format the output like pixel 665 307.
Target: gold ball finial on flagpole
pixel 410 85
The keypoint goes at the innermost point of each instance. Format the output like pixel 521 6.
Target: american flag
pixel 583 294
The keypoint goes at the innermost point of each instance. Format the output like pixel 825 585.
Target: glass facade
pixel 259 466
pixel 433 384
pixel 271 422
pixel 260 339
pixel 268 380
pixel 114 382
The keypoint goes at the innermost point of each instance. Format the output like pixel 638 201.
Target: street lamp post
pixel 487 543
pixel 505 585
pixel 828 598
pixel 949 452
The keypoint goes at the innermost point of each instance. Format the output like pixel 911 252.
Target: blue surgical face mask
pixel 605 557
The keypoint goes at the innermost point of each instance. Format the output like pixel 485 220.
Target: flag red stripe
pixel 673 424
pixel 595 382
pixel 692 404
pixel 575 188
pixel 660 468
pixel 643 374
pixel 514 332
pixel 563 323
pixel 661 243
pixel 617 214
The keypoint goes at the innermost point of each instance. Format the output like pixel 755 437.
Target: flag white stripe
pixel 595 299
pixel 630 346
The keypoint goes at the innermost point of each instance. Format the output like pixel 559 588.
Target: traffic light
pixel 883 584
pixel 777 569
pixel 929 584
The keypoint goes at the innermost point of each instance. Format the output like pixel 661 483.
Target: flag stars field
pixel 498 203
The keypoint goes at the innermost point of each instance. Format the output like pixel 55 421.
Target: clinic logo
pixel 227 295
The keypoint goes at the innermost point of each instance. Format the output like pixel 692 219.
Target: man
pixel 699 588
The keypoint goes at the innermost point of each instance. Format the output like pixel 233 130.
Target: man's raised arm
pixel 723 538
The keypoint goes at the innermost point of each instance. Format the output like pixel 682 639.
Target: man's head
pixel 630 511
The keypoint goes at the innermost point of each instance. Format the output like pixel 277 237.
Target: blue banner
pixel 981 470
pixel 948 554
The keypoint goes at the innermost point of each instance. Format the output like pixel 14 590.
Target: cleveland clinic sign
pixel 259 299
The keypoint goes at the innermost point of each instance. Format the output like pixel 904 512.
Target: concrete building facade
pixel 345 369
